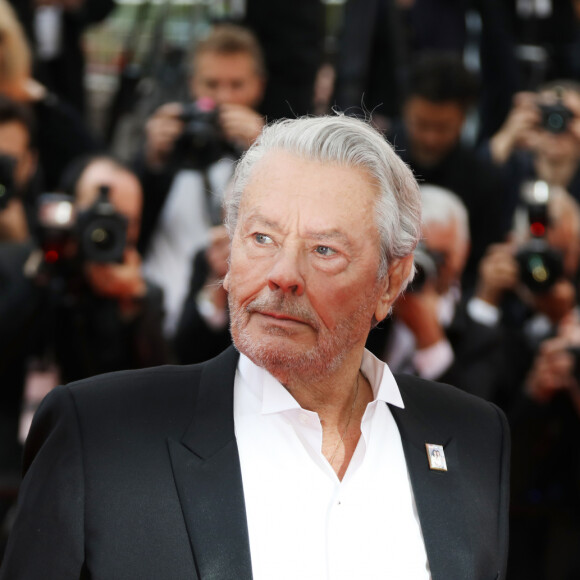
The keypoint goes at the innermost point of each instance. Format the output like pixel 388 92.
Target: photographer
pixel 507 280
pixel 530 287
pixel 109 316
pixel 188 154
pixel 540 139
pixel 434 332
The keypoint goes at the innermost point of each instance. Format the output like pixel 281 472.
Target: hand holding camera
pixel 199 133
pixel 535 118
pixel 519 130
pixel 552 370
pixel 161 131
pixel 419 311
pixel 122 281
pixel 498 273
pixel 240 125
pixel 556 367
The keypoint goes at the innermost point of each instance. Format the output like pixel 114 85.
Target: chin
pixel 283 357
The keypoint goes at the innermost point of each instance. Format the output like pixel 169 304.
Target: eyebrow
pixel 255 218
pixel 333 235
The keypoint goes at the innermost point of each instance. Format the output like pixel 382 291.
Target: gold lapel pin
pixel 436 457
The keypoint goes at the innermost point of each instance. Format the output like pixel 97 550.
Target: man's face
pixel 303 282
pixel 446 240
pixel 230 79
pixel 15 142
pixel 557 147
pixel 125 193
pixel 434 129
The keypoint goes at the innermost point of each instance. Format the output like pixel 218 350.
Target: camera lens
pixel 555 122
pixel 540 265
pixel 538 269
pixel 102 238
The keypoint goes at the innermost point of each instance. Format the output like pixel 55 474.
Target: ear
pixel 398 272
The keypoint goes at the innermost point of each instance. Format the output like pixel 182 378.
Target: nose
pixel 285 274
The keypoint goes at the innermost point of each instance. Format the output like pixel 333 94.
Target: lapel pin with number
pixel 436 457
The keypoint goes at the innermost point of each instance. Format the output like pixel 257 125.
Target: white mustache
pixel 283 306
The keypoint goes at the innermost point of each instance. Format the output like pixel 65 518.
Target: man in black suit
pixel 301 456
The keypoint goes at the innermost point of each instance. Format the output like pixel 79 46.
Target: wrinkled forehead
pixel 295 172
pixel 285 184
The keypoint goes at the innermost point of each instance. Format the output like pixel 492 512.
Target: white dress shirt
pixel 303 522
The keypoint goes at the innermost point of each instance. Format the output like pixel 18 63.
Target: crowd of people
pixel 121 265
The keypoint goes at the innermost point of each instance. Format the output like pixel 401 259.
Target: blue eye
pixel 325 251
pixel 262 239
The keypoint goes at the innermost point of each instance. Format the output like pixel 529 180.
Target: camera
pixel 555 117
pixel 100 232
pixel 540 265
pixel 201 142
pixel 427 264
pixel 7 167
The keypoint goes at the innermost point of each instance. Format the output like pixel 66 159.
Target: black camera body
pixel 201 142
pixel 7 189
pixel 540 264
pixel 555 116
pixel 100 232
pixel 427 264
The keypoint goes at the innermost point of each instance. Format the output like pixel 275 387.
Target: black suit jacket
pixel 136 475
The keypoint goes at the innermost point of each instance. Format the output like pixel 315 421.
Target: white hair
pixel 344 141
pixel 442 206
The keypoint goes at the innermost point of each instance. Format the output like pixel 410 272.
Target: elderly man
pixel 301 456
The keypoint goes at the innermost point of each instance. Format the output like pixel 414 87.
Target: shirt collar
pixel 276 399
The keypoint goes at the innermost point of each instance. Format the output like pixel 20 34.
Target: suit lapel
pixel 438 494
pixel 208 478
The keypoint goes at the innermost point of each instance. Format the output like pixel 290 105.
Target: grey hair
pixel 344 141
pixel 442 206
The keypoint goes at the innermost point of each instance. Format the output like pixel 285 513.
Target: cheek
pixel 245 276
pixel 334 305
